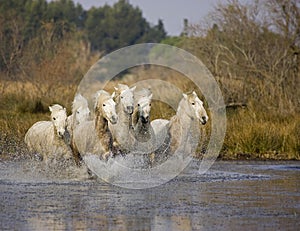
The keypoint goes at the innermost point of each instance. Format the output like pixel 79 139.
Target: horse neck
pixel 187 122
pixel 101 125
pixel 54 129
pixel 135 117
pixel 59 141
pixel 141 127
pixel 73 121
pixel 123 117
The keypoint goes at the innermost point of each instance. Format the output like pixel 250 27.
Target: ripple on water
pixel 34 171
pixel 37 171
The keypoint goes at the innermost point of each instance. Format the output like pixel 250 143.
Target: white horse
pixel 94 137
pixel 142 134
pixel 121 131
pixel 183 128
pixel 142 129
pixel 47 137
pixel 80 113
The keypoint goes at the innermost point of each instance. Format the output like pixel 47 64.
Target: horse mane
pixel 101 124
pixel 121 87
pixel 56 107
pixel 118 90
pixel 100 96
pixel 145 92
pixel 135 116
pixel 79 101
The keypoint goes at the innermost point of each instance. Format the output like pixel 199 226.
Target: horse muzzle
pixel 129 109
pixel 114 119
pixel 145 119
pixel 61 133
pixel 203 120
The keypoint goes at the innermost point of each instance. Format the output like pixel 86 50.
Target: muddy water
pixel 231 196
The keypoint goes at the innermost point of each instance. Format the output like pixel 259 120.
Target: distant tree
pixel 22 20
pixel 155 33
pixel 253 51
pixel 65 10
pixel 35 14
pixel 12 28
pixel 109 28
pixel 106 28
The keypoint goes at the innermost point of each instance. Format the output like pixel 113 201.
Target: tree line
pixel 106 28
pixel 253 50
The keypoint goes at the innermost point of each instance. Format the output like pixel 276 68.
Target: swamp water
pixel 230 196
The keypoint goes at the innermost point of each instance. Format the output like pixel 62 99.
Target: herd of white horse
pixel 121 124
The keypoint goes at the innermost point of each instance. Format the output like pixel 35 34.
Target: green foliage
pixel 176 41
pixel 107 28
pixel 110 28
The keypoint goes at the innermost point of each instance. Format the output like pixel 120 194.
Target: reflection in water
pixel 251 195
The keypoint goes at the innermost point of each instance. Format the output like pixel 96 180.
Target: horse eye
pixel 54 118
pixel 122 97
pixel 103 105
pixel 138 104
pixel 150 104
pixel 193 103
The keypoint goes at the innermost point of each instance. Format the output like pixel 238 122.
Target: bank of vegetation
pixel 251 48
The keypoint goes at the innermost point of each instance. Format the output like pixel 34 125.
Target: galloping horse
pixel 142 129
pixel 47 137
pixel 121 131
pixel 94 137
pixel 80 113
pixel 183 128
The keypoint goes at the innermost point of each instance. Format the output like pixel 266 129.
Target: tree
pixel 253 56
pixel 109 28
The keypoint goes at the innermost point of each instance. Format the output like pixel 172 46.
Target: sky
pixel 172 12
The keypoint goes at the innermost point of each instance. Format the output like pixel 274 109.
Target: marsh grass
pixel 253 132
pixel 257 134
pixel 13 126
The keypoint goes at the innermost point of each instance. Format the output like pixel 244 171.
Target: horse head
pixel 82 114
pixel 80 109
pixel 195 108
pixel 144 108
pixel 106 106
pixel 125 97
pixel 59 119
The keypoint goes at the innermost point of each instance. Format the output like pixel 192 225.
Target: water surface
pixel 231 196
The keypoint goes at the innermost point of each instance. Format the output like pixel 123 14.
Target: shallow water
pixel 231 196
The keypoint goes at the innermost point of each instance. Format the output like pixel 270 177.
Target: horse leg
pixel 76 154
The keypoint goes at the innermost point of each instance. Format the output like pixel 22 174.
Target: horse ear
pixel 194 93
pixel 113 94
pixel 116 88
pixel 133 88
pixel 50 108
pixel 184 95
pixel 150 96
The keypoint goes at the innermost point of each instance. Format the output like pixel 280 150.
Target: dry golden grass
pixel 252 132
